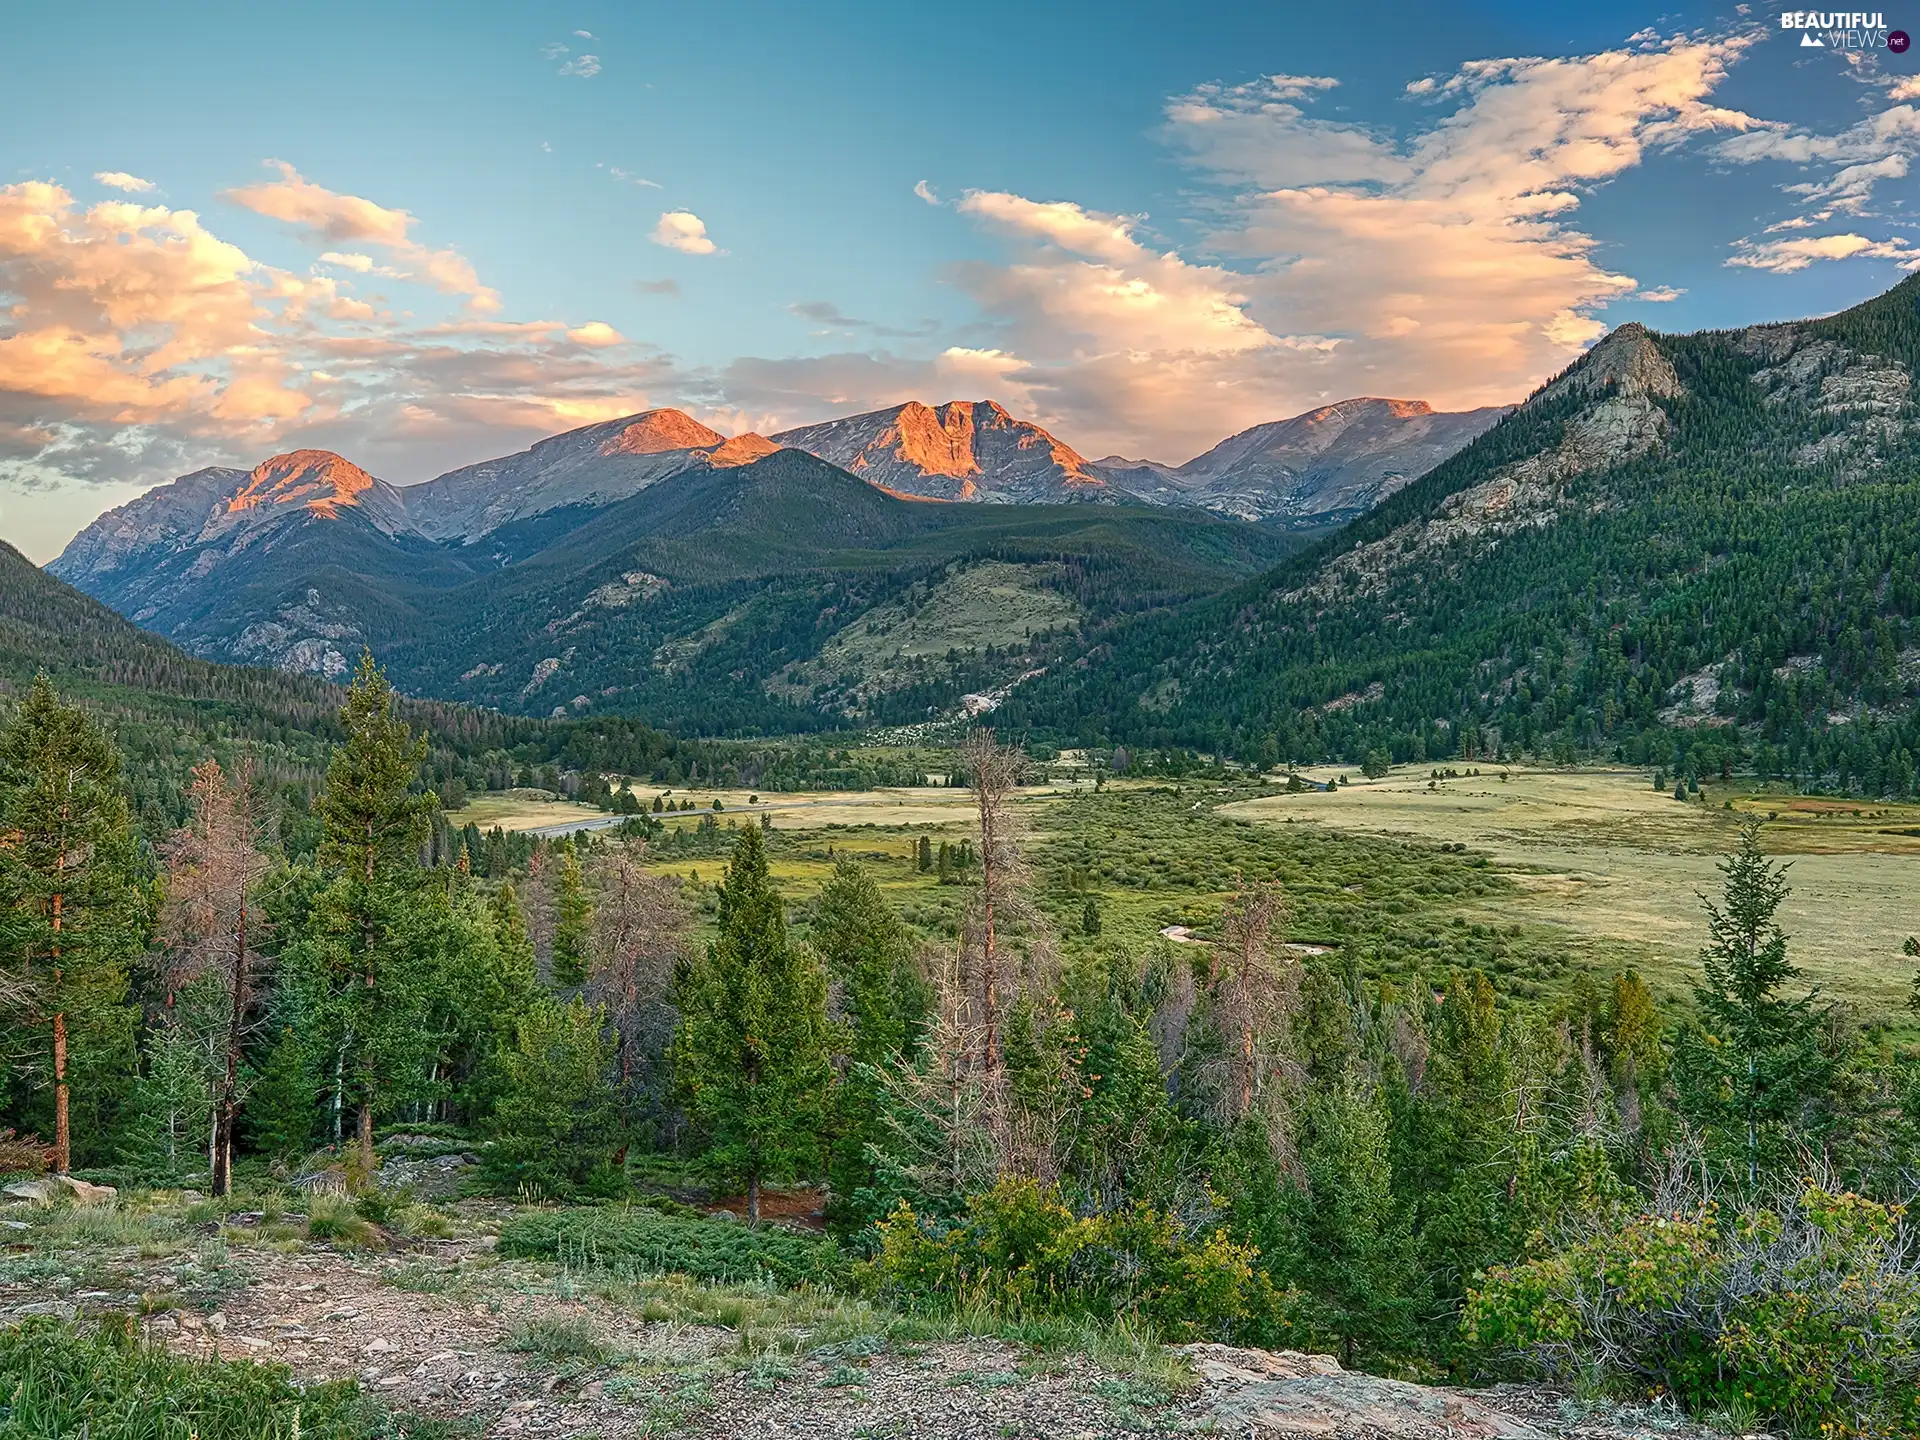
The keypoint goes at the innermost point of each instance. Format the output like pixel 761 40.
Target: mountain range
pixel 303 559
pixel 1683 549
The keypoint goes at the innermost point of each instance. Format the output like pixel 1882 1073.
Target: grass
pixel 59 1382
pixel 1615 869
pixel 560 1337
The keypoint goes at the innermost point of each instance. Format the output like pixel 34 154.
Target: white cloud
pixel 596 335
pixel 1783 257
pixel 321 214
pixel 1659 294
pixel 1877 148
pixel 121 180
pixel 1442 262
pixel 140 345
pixel 583 66
pixel 925 192
pixel 684 231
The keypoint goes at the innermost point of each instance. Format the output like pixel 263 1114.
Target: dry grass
pixel 1602 854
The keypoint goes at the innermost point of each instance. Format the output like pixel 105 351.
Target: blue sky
pixel 1144 226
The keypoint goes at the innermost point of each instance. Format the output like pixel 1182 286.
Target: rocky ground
pixel 439 1325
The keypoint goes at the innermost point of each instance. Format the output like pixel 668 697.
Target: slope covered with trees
pixel 1690 550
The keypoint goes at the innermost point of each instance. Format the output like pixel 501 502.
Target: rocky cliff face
pixel 1320 468
pixel 962 450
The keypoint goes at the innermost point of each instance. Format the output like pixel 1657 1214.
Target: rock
pixel 1262 1393
pixel 217 1323
pixel 84 1193
pixel 38 1192
pixel 58 1309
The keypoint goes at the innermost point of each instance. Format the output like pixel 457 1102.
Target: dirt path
pixel 332 1317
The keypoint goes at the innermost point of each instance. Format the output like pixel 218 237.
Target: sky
pixel 427 234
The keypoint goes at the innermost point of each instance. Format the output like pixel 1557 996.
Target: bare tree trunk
pixel 62 1126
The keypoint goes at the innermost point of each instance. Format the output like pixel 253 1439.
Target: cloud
pixel 1659 294
pixel 1877 148
pixel 586 35
pixel 657 287
pixel 121 180
pixel 138 344
pixel 684 231
pixel 583 66
pixel 1907 87
pixel 1440 260
pixel 832 318
pixel 627 175
pixel 1783 257
pixel 596 335
pixel 323 215
pixel 925 192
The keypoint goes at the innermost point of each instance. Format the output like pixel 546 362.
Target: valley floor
pixel 1620 868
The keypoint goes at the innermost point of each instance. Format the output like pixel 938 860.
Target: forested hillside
pixel 1692 549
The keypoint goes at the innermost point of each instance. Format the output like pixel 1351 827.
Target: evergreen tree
pixel 572 922
pixel 1752 1072
pixel 70 911
pixel 923 855
pixel 556 1122
pixel 373 824
pixel 1358 1261
pixel 750 1058
pixel 869 958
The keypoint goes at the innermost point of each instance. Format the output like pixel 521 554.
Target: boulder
pixel 1270 1394
pixel 84 1193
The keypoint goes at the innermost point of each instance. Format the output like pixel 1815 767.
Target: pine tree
pixel 69 906
pixel 1358 1258
pixel 373 823
pixel 923 855
pixel 751 1058
pixel 556 1122
pixel 1753 1067
pixel 869 958
pixel 572 922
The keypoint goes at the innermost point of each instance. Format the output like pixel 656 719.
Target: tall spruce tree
pixel 1358 1259
pixel 751 1057
pixel 882 1003
pixel 373 824
pixel 1753 1072
pixel 572 922
pixel 71 917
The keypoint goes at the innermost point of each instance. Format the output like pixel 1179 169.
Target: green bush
pixel 56 1382
pixel 1020 1250
pixel 1806 1311
pixel 644 1242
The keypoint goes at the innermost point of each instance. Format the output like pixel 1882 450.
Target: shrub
pixel 647 1243
pixel 26 1153
pixel 333 1217
pixel 57 1381
pixel 1020 1250
pixel 1807 1310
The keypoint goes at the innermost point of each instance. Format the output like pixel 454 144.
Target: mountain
pixel 1683 550
pixel 594 465
pixel 962 450
pixel 646 565
pixel 1319 469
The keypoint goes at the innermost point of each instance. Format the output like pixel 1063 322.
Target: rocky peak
pixel 318 479
pixel 1628 361
pixel 657 431
pixel 741 450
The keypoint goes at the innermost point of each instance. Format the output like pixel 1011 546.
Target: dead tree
pixel 214 867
